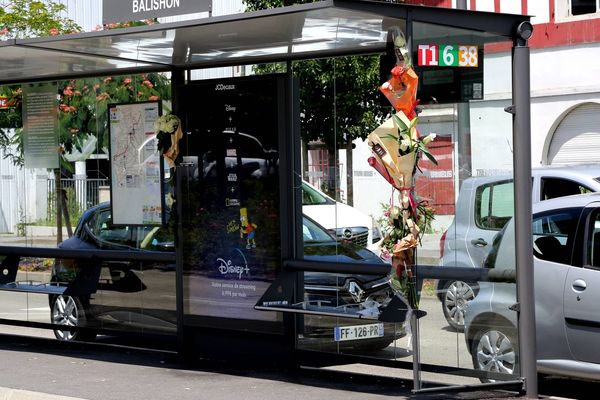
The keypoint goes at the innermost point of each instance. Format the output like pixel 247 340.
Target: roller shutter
pixel 576 140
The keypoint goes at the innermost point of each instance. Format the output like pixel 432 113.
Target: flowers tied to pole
pixel 397 147
pixel 168 132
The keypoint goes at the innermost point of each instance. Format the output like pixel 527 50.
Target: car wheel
pixel 68 310
pixel 456 297
pixel 495 349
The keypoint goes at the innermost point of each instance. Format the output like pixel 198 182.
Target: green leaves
pixel 29 18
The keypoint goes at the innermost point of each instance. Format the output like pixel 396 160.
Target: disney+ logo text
pixel 227 267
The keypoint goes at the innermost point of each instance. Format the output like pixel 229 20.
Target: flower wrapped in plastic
pixel 168 132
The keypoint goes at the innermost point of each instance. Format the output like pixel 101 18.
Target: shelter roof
pixel 325 29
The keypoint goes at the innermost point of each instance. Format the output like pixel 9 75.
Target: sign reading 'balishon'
pixel 134 10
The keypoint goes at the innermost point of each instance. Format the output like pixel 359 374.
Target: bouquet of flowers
pixel 168 132
pixel 397 148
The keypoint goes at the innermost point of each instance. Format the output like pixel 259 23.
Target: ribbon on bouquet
pixel 411 200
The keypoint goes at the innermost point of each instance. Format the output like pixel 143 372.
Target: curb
pixel 17 394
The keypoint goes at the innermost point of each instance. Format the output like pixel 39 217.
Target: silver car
pixel 566 249
pixel 483 207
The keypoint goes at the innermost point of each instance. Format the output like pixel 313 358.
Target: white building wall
pixel 559 82
pixel 539 10
pixel 486 5
pixel 511 7
pixel 87 14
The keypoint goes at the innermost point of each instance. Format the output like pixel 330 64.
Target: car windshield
pixel 312 197
pixel 312 233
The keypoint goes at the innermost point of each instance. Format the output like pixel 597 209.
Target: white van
pixel 340 219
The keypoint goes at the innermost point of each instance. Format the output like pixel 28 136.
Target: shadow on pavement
pixel 151 352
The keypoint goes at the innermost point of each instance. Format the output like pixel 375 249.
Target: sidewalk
pixel 45 369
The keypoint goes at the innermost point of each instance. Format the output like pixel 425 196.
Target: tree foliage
pixel 82 102
pixel 26 18
pixel 338 96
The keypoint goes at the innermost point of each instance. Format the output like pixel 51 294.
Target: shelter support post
pixel 523 209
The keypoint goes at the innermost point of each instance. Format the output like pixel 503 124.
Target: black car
pixel 140 297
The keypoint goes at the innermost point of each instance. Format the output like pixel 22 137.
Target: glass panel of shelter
pixel 85 186
pixel 468 119
pixel 348 205
pixel 469 229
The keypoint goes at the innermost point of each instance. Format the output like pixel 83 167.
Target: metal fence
pixel 81 194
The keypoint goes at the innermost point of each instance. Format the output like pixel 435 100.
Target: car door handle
pixel 479 242
pixel 579 285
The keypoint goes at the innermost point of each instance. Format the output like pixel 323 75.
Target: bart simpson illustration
pixel 247 228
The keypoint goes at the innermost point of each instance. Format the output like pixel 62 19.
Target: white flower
pixel 429 138
pixel 166 123
pixel 405 144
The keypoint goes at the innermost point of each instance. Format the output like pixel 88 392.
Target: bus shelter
pixel 240 233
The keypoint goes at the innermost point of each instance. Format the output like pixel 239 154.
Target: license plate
pixel 357 332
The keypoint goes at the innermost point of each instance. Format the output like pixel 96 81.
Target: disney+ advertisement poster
pixel 230 188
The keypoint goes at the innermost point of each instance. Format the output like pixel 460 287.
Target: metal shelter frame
pixel 325 29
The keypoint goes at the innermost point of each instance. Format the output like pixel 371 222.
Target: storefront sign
pixel 40 125
pixel 3 102
pixel 447 55
pixel 135 10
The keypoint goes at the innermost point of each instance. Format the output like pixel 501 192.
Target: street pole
pixel 523 210
pixel 463 115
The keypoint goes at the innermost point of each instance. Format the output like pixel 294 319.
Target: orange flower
pixel 102 96
pixel 148 83
pixel 53 31
pixel 151 98
pixel 126 81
